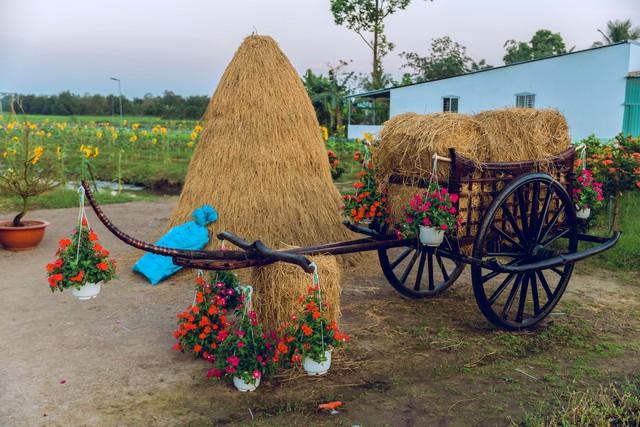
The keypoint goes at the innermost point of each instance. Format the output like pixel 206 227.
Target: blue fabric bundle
pixel 191 235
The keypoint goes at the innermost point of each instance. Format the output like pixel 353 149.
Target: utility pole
pixel 120 95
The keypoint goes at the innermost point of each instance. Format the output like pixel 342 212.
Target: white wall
pixel 588 87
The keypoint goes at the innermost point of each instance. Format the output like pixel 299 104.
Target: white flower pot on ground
pixel 431 236
pixel 314 368
pixel 87 291
pixel 243 386
pixel 583 213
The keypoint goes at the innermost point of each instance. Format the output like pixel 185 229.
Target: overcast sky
pixel 49 46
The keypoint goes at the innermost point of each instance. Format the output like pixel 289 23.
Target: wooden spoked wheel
pixel 532 219
pixel 419 271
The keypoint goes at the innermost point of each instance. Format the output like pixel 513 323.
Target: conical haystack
pixel 261 161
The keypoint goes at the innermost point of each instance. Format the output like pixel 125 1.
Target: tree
pixel 618 31
pixel 367 16
pixel 327 93
pixel 543 44
pixel 447 58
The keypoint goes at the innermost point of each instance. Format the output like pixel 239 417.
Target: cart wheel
pixel 532 219
pixel 404 268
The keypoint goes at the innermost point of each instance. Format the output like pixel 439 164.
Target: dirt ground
pixel 109 361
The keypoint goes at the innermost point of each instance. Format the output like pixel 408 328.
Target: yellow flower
pixel 163 130
pixel 135 126
pixel 133 138
pixel 194 135
pixel 98 134
pixel 48 134
pixel 198 129
pixel 114 135
pixel 124 122
pixel 155 140
pixel 82 147
pixel 95 152
pixel 190 144
pixel 58 149
pixel 37 153
pixel 368 136
pixel 325 132
pixel 144 133
pixel 16 139
pixel 111 129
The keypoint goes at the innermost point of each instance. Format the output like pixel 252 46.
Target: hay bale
pixel 261 161
pixel 520 134
pixel 277 288
pixel 407 142
pixel 406 145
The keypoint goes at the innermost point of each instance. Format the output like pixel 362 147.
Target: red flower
pixel 64 243
pixel 93 236
pixel 78 277
pixel 103 266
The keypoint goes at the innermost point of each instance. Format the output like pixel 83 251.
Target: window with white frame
pixel 450 104
pixel 525 100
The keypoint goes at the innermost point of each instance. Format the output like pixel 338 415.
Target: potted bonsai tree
pixel 26 170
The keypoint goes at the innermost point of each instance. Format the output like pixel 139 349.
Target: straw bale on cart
pixel 408 141
pixel 261 161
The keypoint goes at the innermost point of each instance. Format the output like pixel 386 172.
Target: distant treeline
pixel 167 106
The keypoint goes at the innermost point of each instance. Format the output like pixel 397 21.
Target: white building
pixel 598 91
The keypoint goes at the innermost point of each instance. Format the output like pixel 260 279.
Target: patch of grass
pixel 61 197
pixel 625 255
pixel 604 406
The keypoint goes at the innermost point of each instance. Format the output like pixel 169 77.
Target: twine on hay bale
pixel 521 134
pixel 260 160
pixel 279 286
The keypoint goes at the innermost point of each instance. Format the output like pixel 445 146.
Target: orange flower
pixel 93 236
pixel 197 348
pixel 103 266
pixel 78 277
pixel 306 330
pixel 64 243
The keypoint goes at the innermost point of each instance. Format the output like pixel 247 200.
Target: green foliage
pixel 167 106
pixel 27 168
pixel 447 58
pixel 367 16
pixel 327 95
pixel 618 31
pixel 543 44
pixel 605 406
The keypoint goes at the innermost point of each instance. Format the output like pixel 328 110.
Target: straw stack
pixel 277 289
pixel 521 134
pixel 261 161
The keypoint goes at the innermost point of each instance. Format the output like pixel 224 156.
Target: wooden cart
pixel 519 235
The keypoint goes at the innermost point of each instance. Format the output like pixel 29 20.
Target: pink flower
pixel 454 198
pixel 398 235
pixel 426 221
pixel 443 191
pixel 444 226
pixel 230 370
pixel 240 344
pixel 214 373
pixel 256 374
pixel 409 220
pixel 240 333
pixel 233 360
pixel 425 208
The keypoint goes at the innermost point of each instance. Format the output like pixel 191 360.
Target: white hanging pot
pixel 431 236
pixel 583 213
pixel 317 368
pixel 86 291
pixel 243 386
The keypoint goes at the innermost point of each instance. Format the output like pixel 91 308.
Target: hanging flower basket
pixel 81 261
pixel 431 236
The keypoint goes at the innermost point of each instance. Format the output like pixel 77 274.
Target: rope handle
pixel 82 214
pixel 583 155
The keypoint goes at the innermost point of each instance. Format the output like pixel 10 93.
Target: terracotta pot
pixel 22 238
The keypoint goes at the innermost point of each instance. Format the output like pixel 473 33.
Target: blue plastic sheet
pixel 191 235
